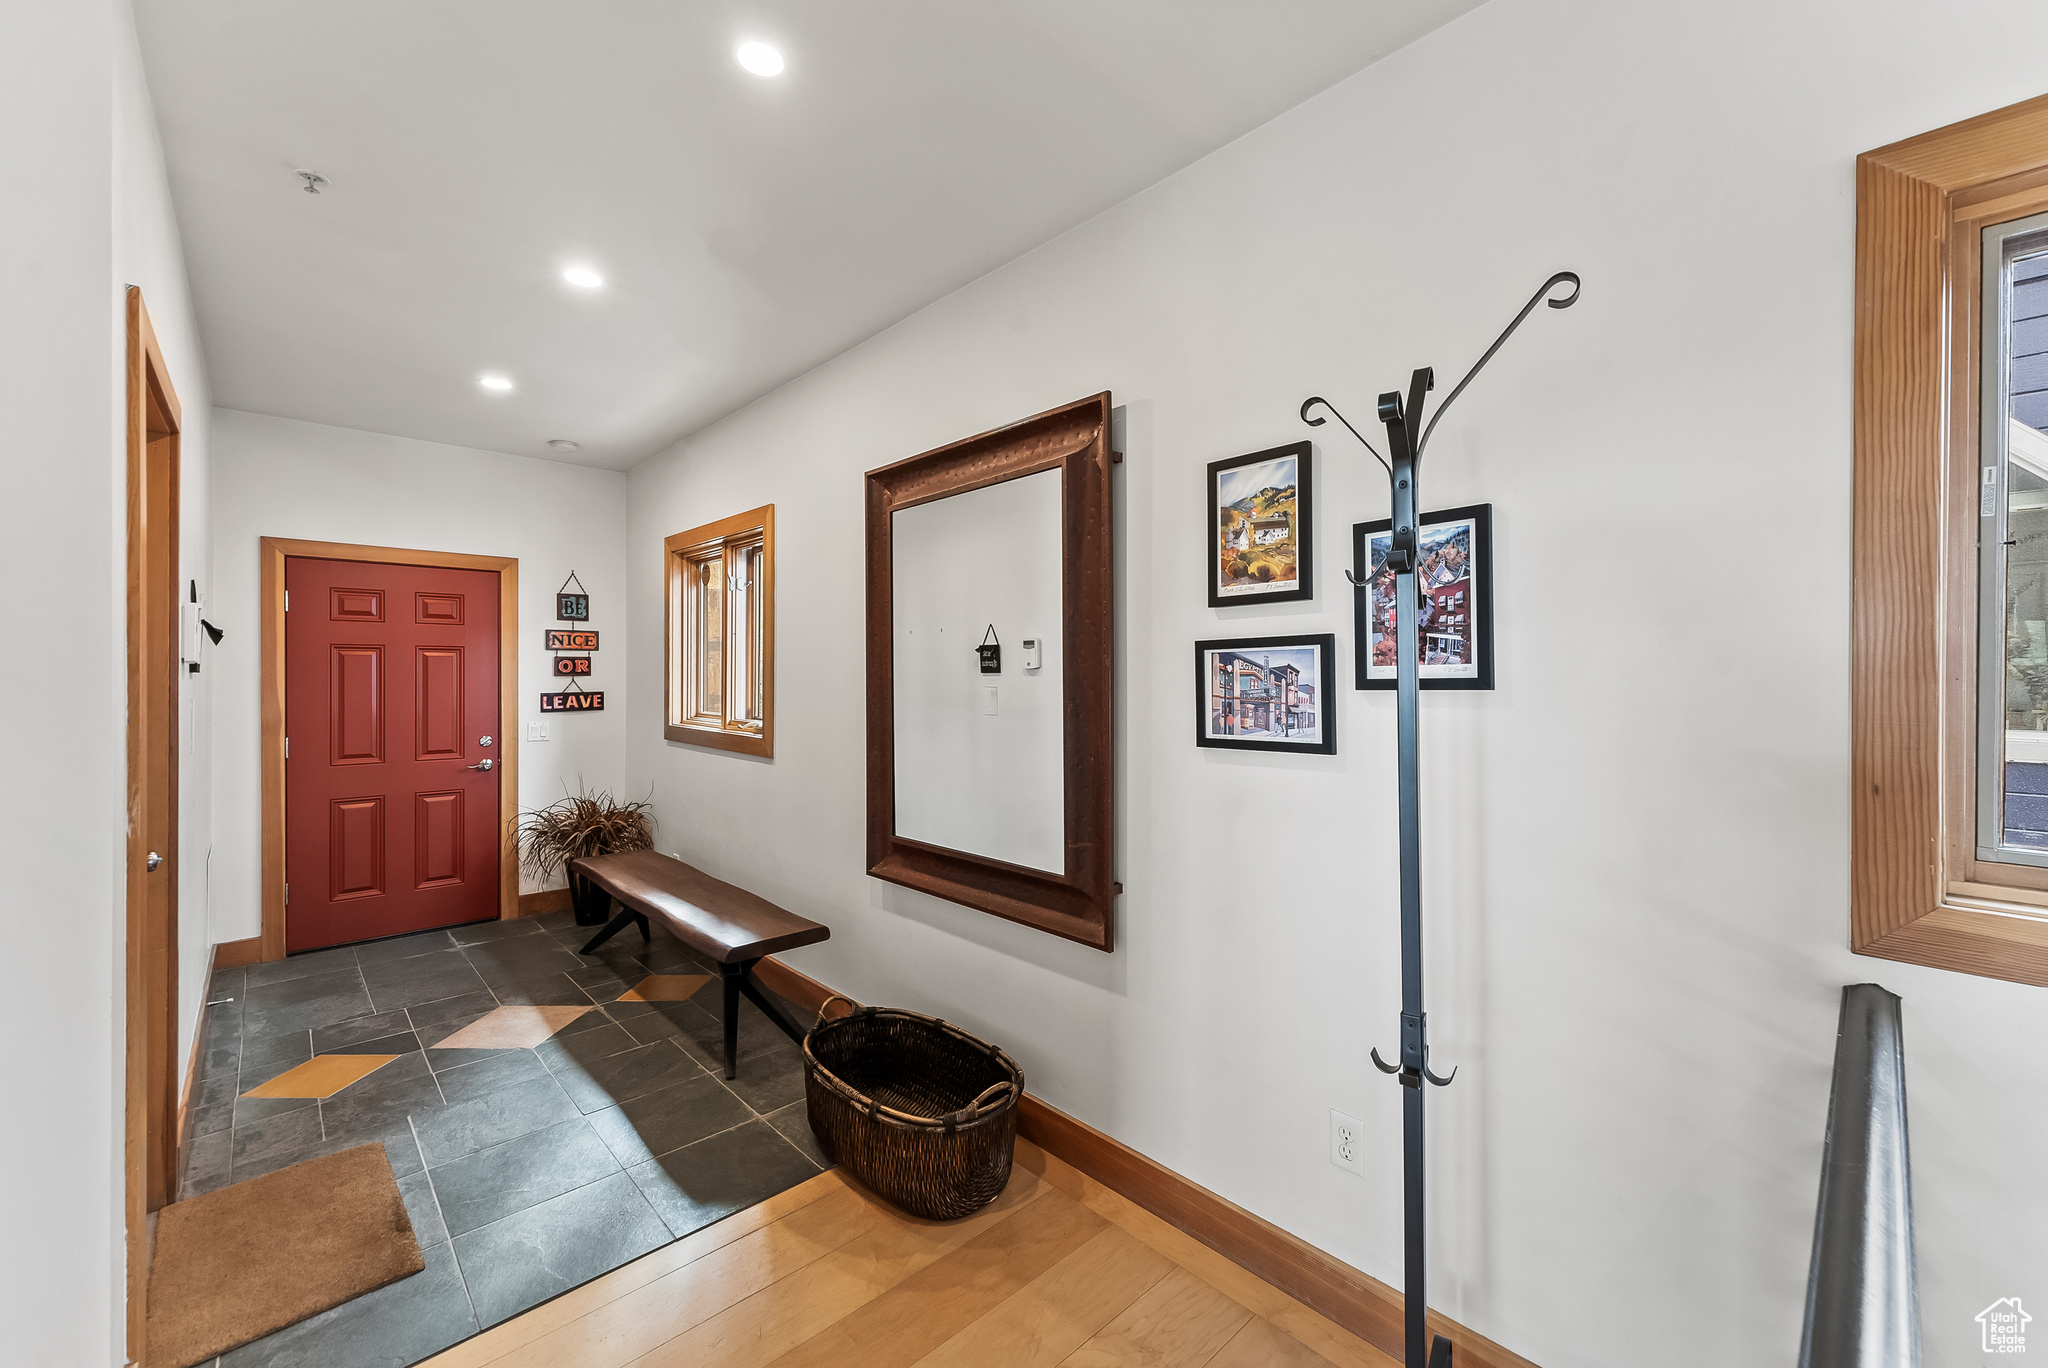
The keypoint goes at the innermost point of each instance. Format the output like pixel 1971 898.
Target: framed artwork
pixel 1266 693
pixel 1261 528
pixel 1454 588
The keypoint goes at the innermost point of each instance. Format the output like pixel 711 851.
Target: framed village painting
pixel 1260 528
pixel 1266 693
pixel 1454 590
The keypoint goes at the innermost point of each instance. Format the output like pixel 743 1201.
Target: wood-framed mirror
pixel 991 774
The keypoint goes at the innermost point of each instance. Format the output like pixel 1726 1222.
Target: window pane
pixel 2013 548
pixel 746 622
pixel 711 637
pixel 757 620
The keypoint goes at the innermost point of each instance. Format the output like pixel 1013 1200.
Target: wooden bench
pixel 728 925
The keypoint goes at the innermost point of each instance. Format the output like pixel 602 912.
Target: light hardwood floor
pixel 1059 1270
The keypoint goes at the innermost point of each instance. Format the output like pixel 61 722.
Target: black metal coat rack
pixel 1405 449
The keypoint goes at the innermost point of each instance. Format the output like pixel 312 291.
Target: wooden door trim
pixel 1318 1280
pixel 274 551
pixel 151 414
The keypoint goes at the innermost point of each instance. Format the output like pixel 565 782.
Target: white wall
pixel 86 214
pixel 1636 861
pixel 274 477
pixel 60 1292
pixel 147 253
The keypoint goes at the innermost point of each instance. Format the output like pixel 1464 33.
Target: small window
pixel 2012 551
pixel 721 634
pixel 1949 715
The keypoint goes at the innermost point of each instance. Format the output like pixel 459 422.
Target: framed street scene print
pixel 1454 592
pixel 1260 528
pixel 1266 693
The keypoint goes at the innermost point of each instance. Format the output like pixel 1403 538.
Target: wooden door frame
pixel 150 1142
pixel 274 551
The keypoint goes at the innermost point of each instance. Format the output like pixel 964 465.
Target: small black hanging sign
pixel 559 640
pixel 572 607
pixel 991 652
pixel 573 700
pixel 572 665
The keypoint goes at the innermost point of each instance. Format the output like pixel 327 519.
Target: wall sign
pixel 991 652
pixel 559 640
pixel 575 700
pixel 572 607
pixel 572 665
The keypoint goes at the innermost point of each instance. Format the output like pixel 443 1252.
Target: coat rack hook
pixel 1541 296
pixel 1314 399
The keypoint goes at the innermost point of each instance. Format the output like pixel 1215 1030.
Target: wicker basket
pixel 921 1112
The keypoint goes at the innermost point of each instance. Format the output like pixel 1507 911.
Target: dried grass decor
pixel 582 824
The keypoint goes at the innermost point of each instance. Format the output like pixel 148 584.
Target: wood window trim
pixel 1917 891
pixel 738 529
pixel 273 552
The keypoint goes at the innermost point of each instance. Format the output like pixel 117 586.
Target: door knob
pixel 482 765
pixel 154 860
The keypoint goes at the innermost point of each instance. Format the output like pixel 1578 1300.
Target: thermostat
pixel 1032 658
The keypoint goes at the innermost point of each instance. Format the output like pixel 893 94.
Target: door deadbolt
pixel 484 741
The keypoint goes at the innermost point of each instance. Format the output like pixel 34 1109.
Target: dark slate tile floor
pixel 525 1172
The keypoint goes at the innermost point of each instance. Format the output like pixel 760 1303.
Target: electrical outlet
pixel 1347 1142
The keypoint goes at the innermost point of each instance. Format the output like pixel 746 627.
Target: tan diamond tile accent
pixel 512 1028
pixel 323 1076
pixel 665 988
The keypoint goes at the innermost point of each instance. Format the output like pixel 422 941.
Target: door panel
pixel 355 605
pixel 437 818
pixel 437 610
pixel 437 671
pixel 355 717
pixel 356 848
pixel 384 837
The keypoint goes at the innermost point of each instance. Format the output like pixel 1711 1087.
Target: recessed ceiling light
pixel 584 276
pixel 760 59
pixel 564 445
pixel 494 382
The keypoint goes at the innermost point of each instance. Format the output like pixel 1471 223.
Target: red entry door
pixel 393 749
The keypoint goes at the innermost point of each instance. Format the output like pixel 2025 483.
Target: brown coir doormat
pixel 236 1264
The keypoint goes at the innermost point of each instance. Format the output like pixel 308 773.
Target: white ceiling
pixel 748 229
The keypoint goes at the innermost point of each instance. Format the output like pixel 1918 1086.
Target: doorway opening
pixel 390 771
pixel 153 420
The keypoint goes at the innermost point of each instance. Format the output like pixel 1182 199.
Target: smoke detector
pixel 313 179
pixel 564 445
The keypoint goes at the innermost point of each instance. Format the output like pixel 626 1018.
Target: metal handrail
pixel 1862 1300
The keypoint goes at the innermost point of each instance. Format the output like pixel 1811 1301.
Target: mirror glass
pixel 979 752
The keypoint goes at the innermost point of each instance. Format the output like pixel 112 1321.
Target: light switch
pixel 988 699
pixel 536 731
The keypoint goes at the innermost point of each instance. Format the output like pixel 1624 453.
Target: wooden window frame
pixel 679 619
pixel 1918 892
